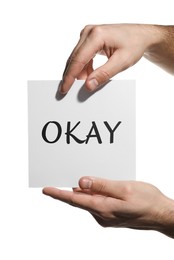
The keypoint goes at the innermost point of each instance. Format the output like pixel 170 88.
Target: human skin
pixel 124 45
pixel 129 204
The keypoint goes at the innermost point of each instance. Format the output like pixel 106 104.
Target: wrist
pixel 160 47
pixel 155 38
pixel 165 218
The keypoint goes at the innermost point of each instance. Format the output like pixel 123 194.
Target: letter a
pixel 97 135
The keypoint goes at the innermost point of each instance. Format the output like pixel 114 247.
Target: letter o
pixel 58 133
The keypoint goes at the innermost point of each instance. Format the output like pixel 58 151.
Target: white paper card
pixel 81 133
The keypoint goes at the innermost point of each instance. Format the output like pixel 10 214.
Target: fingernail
pixel 93 84
pixel 86 183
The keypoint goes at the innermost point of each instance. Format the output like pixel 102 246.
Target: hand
pixel 128 204
pixel 123 44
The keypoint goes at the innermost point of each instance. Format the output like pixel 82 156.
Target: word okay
pixel 70 132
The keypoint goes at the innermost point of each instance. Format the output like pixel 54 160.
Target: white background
pixel 36 38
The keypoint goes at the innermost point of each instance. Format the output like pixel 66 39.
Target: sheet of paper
pixel 81 133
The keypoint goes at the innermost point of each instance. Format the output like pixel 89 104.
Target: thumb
pixel 103 187
pixel 119 61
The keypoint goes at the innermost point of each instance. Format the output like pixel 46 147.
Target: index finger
pixel 92 203
pixel 79 59
pixel 77 199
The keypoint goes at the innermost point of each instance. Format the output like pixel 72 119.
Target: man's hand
pixel 124 45
pixel 128 204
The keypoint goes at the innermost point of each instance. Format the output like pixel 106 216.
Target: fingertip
pixel 95 184
pixel 44 191
pixel 85 182
pixel 49 190
pixel 62 88
pixel 92 84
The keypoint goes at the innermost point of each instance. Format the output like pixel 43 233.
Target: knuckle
pixel 97 30
pixel 72 201
pixel 101 187
pixel 86 29
pixel 103 76
pixel 75 60
pixel 127 189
